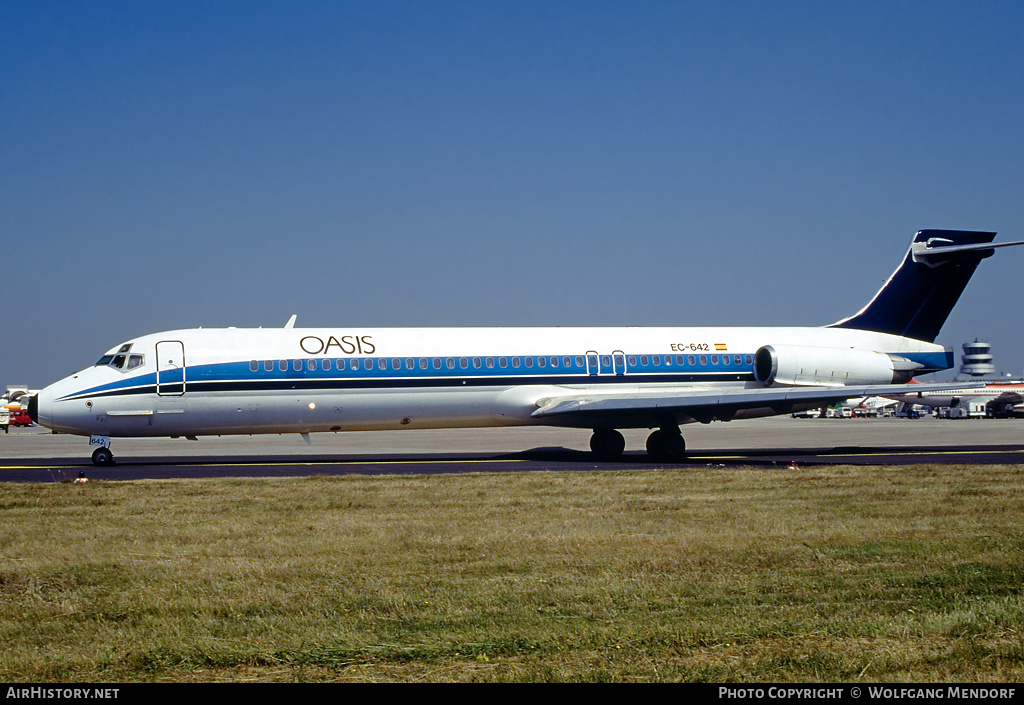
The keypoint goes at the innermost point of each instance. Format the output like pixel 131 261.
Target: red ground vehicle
pixel 20 417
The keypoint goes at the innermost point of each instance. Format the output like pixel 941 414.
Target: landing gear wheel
pixel 666 444
pixel 102 457
pixel 607 444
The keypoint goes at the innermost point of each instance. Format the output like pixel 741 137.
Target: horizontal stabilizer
pixel 934 254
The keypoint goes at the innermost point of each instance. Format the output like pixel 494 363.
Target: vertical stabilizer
pixel 919 296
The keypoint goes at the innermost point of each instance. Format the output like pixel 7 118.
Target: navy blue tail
pixel 918 297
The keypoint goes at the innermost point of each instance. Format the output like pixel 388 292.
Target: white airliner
pixel 289 380
pixel 999 399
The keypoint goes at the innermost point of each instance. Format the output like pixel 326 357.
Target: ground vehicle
pixel 13 410
pixel 19 417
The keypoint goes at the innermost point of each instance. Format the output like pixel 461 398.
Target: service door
pixel 170 368
pixel 604 365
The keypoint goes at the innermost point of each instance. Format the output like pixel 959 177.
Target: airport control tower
pixel 977 359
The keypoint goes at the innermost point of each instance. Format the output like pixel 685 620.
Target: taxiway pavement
pixel 35 455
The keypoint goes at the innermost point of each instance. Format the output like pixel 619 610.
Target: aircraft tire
pixel 607 444
pixel 666 444
pixel 102 457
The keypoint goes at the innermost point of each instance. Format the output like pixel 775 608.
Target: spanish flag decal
pixel 720 346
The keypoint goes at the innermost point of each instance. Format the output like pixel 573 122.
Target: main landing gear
pixel 607 443
pixel 665 444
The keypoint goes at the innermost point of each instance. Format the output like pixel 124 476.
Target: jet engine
pixel 807 365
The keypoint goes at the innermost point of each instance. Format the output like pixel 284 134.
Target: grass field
pixel 719 574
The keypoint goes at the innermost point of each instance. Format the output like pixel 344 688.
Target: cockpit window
pixel 122 360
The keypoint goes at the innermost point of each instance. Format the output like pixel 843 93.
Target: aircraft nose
pixel 40 407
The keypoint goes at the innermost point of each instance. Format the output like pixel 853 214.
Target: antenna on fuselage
pixel 291 321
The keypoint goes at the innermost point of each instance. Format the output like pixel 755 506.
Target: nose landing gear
pixel 102 456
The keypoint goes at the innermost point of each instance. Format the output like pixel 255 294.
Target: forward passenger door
pixel 170 368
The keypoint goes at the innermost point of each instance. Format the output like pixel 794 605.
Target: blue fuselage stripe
pixel 385 373
pixel 406 372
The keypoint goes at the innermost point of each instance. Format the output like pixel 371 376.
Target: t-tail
pixel 919 296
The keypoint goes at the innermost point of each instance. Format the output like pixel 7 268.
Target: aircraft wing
pixel 706 405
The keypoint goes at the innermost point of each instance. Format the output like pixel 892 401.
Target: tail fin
pixel 920 294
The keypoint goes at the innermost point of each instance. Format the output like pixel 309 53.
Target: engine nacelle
pixel 808 365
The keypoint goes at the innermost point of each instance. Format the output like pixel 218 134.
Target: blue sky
pixel 183 164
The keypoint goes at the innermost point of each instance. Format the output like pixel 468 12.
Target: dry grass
pixel 717 574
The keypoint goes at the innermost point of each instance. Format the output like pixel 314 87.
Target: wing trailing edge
pixel 706 405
